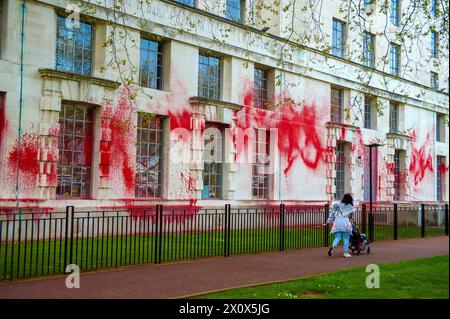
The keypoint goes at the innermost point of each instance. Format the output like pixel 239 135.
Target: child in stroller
pixel 358 242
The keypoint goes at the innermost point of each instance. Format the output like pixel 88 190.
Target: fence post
pixel 422 221
pixel 67 253
pixel 395 222
pixel 371 227
pixel 326 236
pixel 160 223
pixel 364 218
pixel 281 227
pixel 226 243
pixel 446 219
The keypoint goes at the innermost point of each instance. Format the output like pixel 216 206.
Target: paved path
pixel 194 277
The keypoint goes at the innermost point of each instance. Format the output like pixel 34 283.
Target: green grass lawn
pixel 420 278
pixel 47 256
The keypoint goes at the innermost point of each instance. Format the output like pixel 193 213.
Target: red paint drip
pixel 181 120
pixel 421 160
pixel 3 121
pixel 26 154
pixel 442 168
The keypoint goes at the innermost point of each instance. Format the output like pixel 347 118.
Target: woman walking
pixel 341 225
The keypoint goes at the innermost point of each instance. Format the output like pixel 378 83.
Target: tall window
pixel 369 112
pixel 368 5
pixel 434 80
pixel 213 159
pixel 260 176
pixel 186 2
pixel 339 181
pixel 440 162
pixel 395 58
pixel 260 88
pixel 209 77
pixel 149 150
pixel 395 12
pixel 367 173
pixel 74 47
pixel 75 151
pixel 434 44
pixel 440 127
pixel 338 38
pixel 397 175
pixel 234 10
pixel 434 8
pixel 393 117
pixel 337 105
pixel 368 49
pixel 151 64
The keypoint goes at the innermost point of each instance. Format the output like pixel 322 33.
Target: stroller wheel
pixel 368 250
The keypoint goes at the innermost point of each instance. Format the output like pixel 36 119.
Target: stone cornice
pixel 64 75
pixel 203 101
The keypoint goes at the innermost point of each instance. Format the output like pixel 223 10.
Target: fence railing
pixel 31 246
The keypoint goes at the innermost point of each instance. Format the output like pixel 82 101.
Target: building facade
pixel 204 111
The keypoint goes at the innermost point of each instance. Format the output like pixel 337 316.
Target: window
pixel 434 80
pixel 186 2
pixel 434 8
pixel 260 88
pixel 440 160
pixel 260 165
pixel 1 25
pixel 369 112
pixel 149 150
pixel 434 44
pixel 209 77
pixel 337 105
pixel 367 171
pixel 397 175
pixel 74 47
pixel 395 58
pixel 339 181
pixel 395 12
pixel 368 50
pixel 368 5
pixel 234 10
pixel 75 151
pixel 213 159
pixel 338 38
pixel 440 127
pixel 393 117
pixel 2 118
pixel 151 64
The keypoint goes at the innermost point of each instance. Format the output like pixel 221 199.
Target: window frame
pixel 217 96
pixel 337 110
pixel 369 48
pixel 339 180
pixel 154 129
pixel 218 185
pixel 336 50
pixel 434 44
pixel 434 80
pixel 61 55
pixel 260 92
pixel 231 10
pixel 159 78
pixel 261 192
pixel 61 166
pixel 368 112
pixel 395 12
pixel 395 58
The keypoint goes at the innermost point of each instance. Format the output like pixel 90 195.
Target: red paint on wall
pixel 442 168
pixel 3 121
pixel 298 135
pixel 26 155
pixel 421 160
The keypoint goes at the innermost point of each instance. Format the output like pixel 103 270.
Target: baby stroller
pixel 358 242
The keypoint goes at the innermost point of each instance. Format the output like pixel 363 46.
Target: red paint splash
pixel 3 121
pixel 390 167
pixel 297 127
pixel 358 143
pixel 442 168
pixel 118 137
pixel 181 121
pixel 26 155
pixel 421 160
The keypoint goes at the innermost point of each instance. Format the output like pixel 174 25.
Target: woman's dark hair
pixel 347 199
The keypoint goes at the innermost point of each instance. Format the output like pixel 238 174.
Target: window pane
pixel 151 64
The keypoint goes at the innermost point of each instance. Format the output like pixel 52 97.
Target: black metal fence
pixel 31 246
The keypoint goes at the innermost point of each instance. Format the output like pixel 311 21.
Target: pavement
pixel 189 278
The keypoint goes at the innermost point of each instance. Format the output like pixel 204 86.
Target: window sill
pixel 52 73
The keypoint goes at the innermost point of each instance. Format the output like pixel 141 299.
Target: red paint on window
pixel 421 160
pixel 298 135
pixel 442 168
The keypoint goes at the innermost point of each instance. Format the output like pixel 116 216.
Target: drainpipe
pixel 22 37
